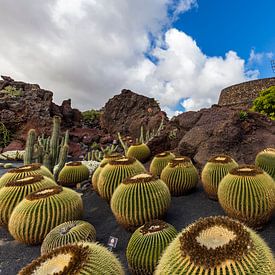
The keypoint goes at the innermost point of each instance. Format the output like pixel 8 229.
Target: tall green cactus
pixel 29 150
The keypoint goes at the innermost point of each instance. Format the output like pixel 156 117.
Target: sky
pixel 181 52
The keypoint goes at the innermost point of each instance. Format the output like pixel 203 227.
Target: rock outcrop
pixel 126 112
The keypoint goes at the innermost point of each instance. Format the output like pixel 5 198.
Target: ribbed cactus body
pixel 73 173
pixel 247 193
pixel 81 258
pixel 68 233
pixel 25 171
pixel 159 162
pixel 147 244
pixel 266 160
pixel 213 172
pixel 15 191
pixel 139 151
pixel 114 173
pixel 36 215
pixel 217 245
pixel 140 199
pixel 180 175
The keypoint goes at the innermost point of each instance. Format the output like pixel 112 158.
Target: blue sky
pixel 239 25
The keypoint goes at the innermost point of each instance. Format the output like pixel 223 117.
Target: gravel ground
pixel 183 211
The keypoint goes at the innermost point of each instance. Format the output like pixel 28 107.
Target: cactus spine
pixel 217 245
pixel 36 215
pixel 140 199
pixel 68 233
pixel 81 258
pixel 151 238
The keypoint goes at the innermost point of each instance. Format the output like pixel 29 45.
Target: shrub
pixel 4 135
pixel 91 117
pixel 265 102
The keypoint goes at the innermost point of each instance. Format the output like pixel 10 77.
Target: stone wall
pixel 244 93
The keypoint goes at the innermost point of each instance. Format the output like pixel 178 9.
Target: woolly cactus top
pixel 221 159
pixel 181 160
pixel 269 150
pixel 246 171
pixel 68 259
pixel 153 226
pixel 113 155
pixel 65 229
pixel 123 161
pixel 163 154
pixel 74 163
pixel 44 193
pixel 25 181
pixel 140 178
pixel 26 168
pixel 213 240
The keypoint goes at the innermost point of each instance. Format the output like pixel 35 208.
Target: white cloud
pixel 259 57
pixel 88 50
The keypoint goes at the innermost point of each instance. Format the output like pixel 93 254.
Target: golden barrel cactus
pixel 217 245
pixel 159 162
pixel 36 215
pixel 139 151
pixel 266 160
pixel 214 170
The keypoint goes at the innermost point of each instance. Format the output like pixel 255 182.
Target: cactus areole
pixel 153 227
pixel 44 193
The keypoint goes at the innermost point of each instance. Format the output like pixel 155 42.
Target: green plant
pixel 173 134
pixel 243 115
pixel 247 193
pixel 266 161
pixel 159 162
pixel 15 191
pixel 139 199
pixel 114 172
pixel 4 135
pixel 217 245
pixel 180 175
pixel 101 153
pixel 12 91
pixel 39 212
pixel 265 102
pixel 151 238
pixel 25 171
pixel 214 170
pixel 91 117
pixel 73 173
pixel 139 151
pixel 68 233
pixel 81 258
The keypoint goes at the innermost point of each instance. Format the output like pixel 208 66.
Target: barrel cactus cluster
pixel 247 193
pixel 214 170
pixel 140 199
pixel 147 244
pixel 159 162
pixel 39 212
pixel 81 258
pixel 180 175
pixel 68 233
pixel 217 245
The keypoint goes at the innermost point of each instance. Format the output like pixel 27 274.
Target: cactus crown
pixel 26 168
pixel 152 227
pixel 246 170
pixel 66 229
pixel 269 150
pixel 122 161
pixel 163 154
pixel 74 163
pixel 44 193
pixel 140 178
pixel 67 259
pixel 184 161
pixel 113 155
pixel 25 181
pixel 221 159
pixel 213 240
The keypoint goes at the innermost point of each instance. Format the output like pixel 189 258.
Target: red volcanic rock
pixel 14 146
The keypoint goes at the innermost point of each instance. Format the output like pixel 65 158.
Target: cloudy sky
pixel 182 52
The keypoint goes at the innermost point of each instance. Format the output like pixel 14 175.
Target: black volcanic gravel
pixel 183 211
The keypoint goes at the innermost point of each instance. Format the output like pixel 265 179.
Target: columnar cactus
pixel 81 258
pixel 217 245
pixel 25 171
pixel 113 174
pixel 213 172
pixel 140 151
pixel 151 239
pixel 266 160
pixel 247 193
pixel 180 175
pixel 159 162
pixel 73 173
pixel 36 215
pixel 68 233
pixel 15 191
pixel 139 199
